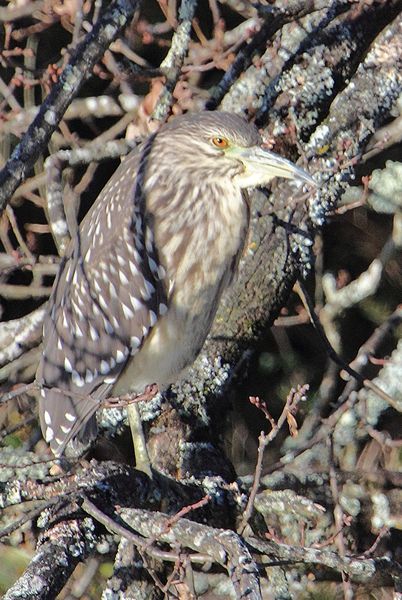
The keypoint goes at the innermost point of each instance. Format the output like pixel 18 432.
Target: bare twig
pixel 21 389
pixel 77 70
pixel 171 65
pixel 224 547
pixel 292 401
pixel 335 357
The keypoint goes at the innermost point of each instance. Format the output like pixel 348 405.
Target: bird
pixel 141 279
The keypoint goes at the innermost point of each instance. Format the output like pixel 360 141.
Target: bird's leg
pixel 130 401
pixel 142 461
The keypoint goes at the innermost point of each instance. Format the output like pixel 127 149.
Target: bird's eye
pixel 220 142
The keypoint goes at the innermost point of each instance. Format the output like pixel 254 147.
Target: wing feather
pixel 105 302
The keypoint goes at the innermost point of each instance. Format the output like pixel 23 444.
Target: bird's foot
pixel 149 392
pixel 120 401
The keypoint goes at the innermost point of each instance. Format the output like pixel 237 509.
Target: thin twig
pixel 22 389
pixel 28 516
pixel 292 400
pixel 80 66
pixel 141 543
pixel 171 65
pixel 335 357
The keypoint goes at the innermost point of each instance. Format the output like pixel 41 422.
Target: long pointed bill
pixel 277 166
pixel 262 166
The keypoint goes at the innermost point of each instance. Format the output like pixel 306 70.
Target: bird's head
pixel 218 145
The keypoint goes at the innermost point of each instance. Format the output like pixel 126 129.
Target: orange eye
pixel 220 142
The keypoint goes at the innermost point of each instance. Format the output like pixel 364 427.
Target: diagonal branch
pixel 79 68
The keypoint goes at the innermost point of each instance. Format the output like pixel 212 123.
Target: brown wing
pixel 105 301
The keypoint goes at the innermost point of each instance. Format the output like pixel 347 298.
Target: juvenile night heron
pixel 141 280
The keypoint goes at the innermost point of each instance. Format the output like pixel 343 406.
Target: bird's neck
pixel 201 241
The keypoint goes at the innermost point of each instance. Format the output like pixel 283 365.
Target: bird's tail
pixel 65 418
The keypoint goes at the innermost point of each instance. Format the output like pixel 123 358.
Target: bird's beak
pixel 262 165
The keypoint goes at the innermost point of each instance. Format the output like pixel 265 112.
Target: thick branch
pixel 66 545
